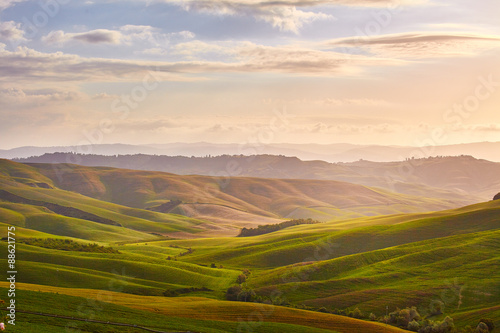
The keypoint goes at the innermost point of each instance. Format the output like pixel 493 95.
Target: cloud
pixel 99 36
pixel 283 15
pixel 132 34
pixel 280 15
pixel 27 65
pixel 330 102
pixel 138 36
pixel 422 44
pixel 4 4
pixel 11 30
pixel 286 15
pixel 21 97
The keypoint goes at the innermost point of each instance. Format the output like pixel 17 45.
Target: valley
pixel 173 251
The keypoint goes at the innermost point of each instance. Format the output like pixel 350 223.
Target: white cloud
pixel 279 14
pixel 8 3
pixel 21 97
pixel 286 15
pixel 99 36
pixel 11 30
pixel 420 45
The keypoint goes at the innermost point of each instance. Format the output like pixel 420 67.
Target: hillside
pixel 369 263
pixel 462 178
pixel 225 204
pixel 300 274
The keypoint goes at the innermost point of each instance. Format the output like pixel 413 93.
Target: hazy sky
pixel 402 72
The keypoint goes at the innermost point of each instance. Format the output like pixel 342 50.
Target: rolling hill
pixel 358 258
pixel 187 205
pixel 460 178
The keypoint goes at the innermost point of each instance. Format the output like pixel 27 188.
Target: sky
pixel 387 72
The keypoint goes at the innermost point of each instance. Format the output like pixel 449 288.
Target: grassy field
pixel 228 203
pixel 373 263
pixel 205 315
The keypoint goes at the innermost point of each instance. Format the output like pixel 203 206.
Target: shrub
pixel 436 308
pixel 413 326
pixel 356 313
pixel 482 328
pixel 372 317
pixel 488 322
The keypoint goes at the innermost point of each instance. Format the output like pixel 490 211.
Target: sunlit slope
pixel 293 245
pixel 32 201
pixel 463 268
pixel 184 313
pixel 150 274
pixel 243 199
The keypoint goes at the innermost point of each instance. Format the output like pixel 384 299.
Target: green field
pixel 167 269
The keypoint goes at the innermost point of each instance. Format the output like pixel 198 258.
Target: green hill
pixel 373 263
pixel 208 206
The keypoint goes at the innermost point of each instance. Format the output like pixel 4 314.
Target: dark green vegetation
pixel 267 228
pixel 445 263
pixel 66 245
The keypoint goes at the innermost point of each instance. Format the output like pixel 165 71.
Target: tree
pixel 241 278
pixel 233 292
pixel 246 295
pixel 497 196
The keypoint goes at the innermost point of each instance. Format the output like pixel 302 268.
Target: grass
pixel 368 262
pixel 204 315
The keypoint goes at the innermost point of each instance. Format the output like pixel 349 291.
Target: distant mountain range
pixel 307 152
pixel 461 179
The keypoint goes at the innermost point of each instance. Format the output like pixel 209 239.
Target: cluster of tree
pixel 497 196
pixel 268 228
pixel 67 245
pixel 408 318
pixel 177 292
pixel 189 251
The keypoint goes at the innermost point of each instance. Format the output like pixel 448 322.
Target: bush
pixel 233 292
pixel 436 308
pixel 488 322
pixel 497 196
pixel 372 317
pixel 356 313
pixel 482 328
pixel 413 326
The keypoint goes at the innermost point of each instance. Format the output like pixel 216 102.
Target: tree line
pixel 268 228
